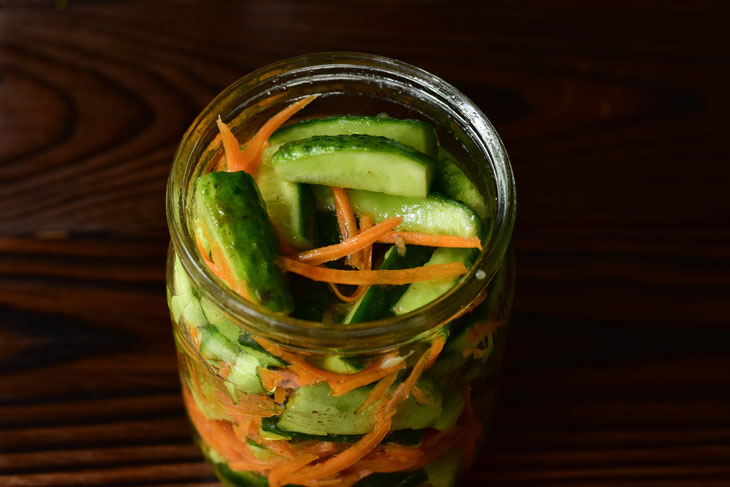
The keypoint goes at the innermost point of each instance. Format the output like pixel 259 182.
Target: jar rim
pixel 373 335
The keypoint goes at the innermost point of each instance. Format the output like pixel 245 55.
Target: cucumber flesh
pixel 356 161
pixel 377 300
pixel 421 293
pixel 244 376
pixel 313 410
pixel 435 214
pixel 289 205
pixel 415 133
pixel 214 346
pixel 233 215
pixel 251 347
pixel 451 181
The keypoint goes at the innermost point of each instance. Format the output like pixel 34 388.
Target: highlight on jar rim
pixel 338 278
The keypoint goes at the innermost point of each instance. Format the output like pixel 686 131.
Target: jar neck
pixel 251 100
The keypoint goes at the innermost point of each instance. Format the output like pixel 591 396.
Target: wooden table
pixel 615 116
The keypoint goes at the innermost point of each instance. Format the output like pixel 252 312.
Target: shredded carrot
pixel 349 246
pixel 352 297
pixel 476 334
pixel 249 158
pixel 438 345
pixel 231 147
pixel 366 223
pixel 378 393
pixel 339 383
pixel 280 395
pixel 269 378
pixel 415 238
pixel 277 474
pixel 420 396
pixel 248 405
pixel 390 276
pixel 346 222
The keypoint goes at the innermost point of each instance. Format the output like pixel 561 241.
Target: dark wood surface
pixel 615 115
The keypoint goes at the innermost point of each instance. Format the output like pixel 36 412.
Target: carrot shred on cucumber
pixel 378 393
pixel 339 383
pixel 384 416
pixel 349 246
pixel 420 396
pixel 436 347
pixel 415 238
pixel 346 222
pixel 390 276
pixel 249 158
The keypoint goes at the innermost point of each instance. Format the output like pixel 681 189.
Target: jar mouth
pixel 303 75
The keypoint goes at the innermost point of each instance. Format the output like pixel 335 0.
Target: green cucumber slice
pixel 289 205
pixel 412 415
pixel 313 410
pixel 216 317
pixel 232 213
pixel 415 133
pixel 251 347
pixel 356 161
pixel 451 181
pixel 444 471
pixel 435 214
pixel 244 376
pixel 342 364
pixel 452 407
pixel 378 300
pixel 421 293
pixel 214 346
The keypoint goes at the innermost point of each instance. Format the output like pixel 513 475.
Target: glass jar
pixel 399 401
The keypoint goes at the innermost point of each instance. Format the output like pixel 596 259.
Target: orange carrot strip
pixel 420 396
pixel 249 158
pixel 269 378
pixel 277 474
pixel 415 238
pixel 378 392
pixel 231 147
pixel 390 276
pixel 251 155
pixel 438 345
pixel 346 221
pixel 364 239
pixel 352 297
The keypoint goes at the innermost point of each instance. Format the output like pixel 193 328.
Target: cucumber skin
pixel 357 161
pixel 231 208
pixel 415 133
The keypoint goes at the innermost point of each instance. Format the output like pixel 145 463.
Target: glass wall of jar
pixel 403 400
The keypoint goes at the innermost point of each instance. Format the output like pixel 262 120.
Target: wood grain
pixel 615 118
